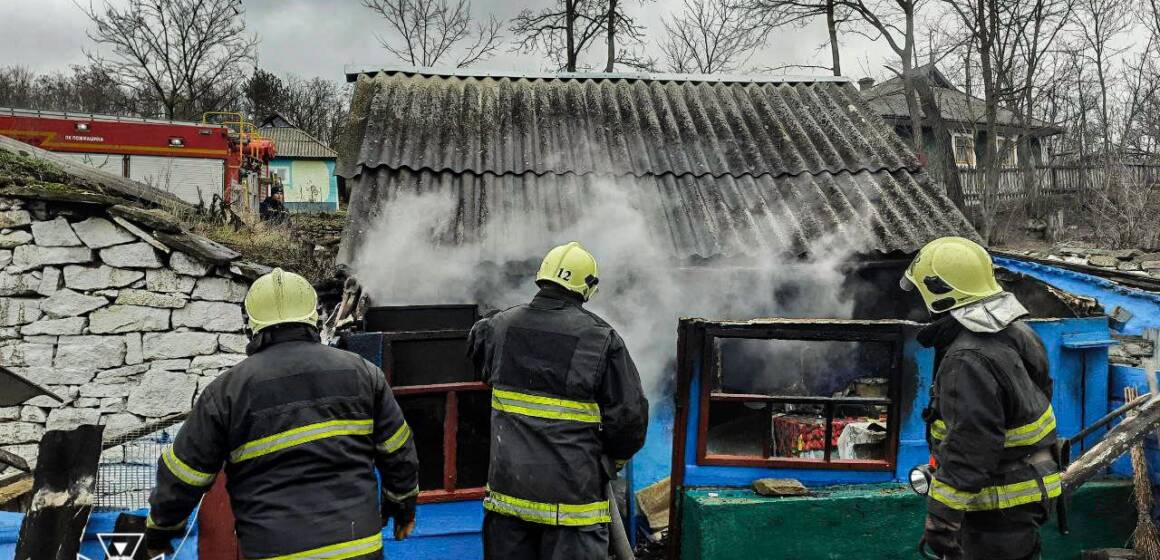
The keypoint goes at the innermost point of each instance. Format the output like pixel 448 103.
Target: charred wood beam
pixel 1117 442
pixel 64 487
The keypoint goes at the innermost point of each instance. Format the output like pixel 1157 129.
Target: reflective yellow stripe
pixel 1032 433
pixel 539 406
pixel 996 497
pixel 571 515
pixel 150 524
pixel 1027 434
pixel 349 549
pixel 183 471
pixel 938 430
pixel 397 498
pixel 398 440
pixel 299 436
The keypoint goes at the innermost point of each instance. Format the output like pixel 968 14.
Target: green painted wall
pixel 870 522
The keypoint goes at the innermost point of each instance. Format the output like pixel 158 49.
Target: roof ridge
pixel 772 175
pixel 354 71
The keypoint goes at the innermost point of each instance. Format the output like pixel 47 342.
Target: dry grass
pixel 273 245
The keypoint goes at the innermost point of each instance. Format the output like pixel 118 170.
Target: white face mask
pixel 990 315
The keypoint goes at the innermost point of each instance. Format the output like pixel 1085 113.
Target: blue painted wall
pixel 1077 352
pixel 293 167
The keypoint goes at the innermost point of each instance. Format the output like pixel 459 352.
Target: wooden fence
pixel 1052 180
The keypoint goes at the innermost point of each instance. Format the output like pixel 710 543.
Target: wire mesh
pixel 127 472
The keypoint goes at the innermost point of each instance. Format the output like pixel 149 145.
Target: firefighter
pixel 567 411
pixel 990 423
pixel 273 208
pixel 300 429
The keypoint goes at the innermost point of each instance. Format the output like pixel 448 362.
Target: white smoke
pixel 645 288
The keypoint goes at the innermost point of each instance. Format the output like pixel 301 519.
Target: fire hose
pixel 620 548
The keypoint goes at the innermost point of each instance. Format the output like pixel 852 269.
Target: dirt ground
pixel 1018 230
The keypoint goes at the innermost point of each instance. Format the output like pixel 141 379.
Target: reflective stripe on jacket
pixel 990 414
pixel 566 404
pixel 300 429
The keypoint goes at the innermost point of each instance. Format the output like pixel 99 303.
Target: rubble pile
pixel 1130 261
pixel 124 321
pixel 1131 350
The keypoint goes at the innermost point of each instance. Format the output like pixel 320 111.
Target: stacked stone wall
pixel 119 326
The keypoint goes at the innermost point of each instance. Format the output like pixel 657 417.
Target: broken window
pixel 435 384
pixel 784 401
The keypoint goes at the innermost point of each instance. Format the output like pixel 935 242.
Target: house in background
pixel 305 166
pixel 965 116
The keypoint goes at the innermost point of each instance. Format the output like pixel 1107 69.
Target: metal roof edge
pixel 18 112
pixel 354 71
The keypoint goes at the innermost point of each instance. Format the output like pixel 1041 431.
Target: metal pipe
pixel 1127 407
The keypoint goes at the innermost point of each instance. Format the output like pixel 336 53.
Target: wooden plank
pixel 1117 442
pixel 198 246
pixel 64 486
pixel 15 488
pixel 141 234
pixel 159 220
pixel 69 195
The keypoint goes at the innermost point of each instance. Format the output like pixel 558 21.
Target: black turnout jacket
pixel 990 419
pixel 567 405
pixel 300 429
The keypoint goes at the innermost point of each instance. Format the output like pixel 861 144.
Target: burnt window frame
pixel 803 330
pixel 451 491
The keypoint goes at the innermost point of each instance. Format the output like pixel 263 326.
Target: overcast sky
pixel 319 37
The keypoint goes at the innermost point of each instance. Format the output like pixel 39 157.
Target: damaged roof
pixel 723 167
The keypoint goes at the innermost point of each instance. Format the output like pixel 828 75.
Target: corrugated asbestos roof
pixel 722 167
pixel 296 143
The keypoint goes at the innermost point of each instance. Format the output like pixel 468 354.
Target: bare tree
pixel 894 22
pixel 188 56
pixel 777 13
pixel 710 36
pixel 1099 23
pixel 87 89
pixel 425 32
pixel 567 29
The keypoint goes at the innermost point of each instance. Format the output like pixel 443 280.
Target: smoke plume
pixel 418 253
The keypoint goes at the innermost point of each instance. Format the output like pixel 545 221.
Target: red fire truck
pixel 222 156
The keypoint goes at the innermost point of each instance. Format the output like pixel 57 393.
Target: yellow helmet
pixel 281 297
pixel 951 272
pixel 572 267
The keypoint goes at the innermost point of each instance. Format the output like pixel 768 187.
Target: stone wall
pixel 114 322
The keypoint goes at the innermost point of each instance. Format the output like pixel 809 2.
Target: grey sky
pixel 318 37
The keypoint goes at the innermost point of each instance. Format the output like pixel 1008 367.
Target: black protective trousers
pixel 1005 534
pixel 510 538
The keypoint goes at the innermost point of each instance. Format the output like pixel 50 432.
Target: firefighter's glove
pixel 159 541
pixel 941 531
pixel 404 515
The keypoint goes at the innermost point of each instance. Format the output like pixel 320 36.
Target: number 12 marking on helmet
pixel 563 274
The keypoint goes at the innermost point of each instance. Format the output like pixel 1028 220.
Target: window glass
pixel 964 145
